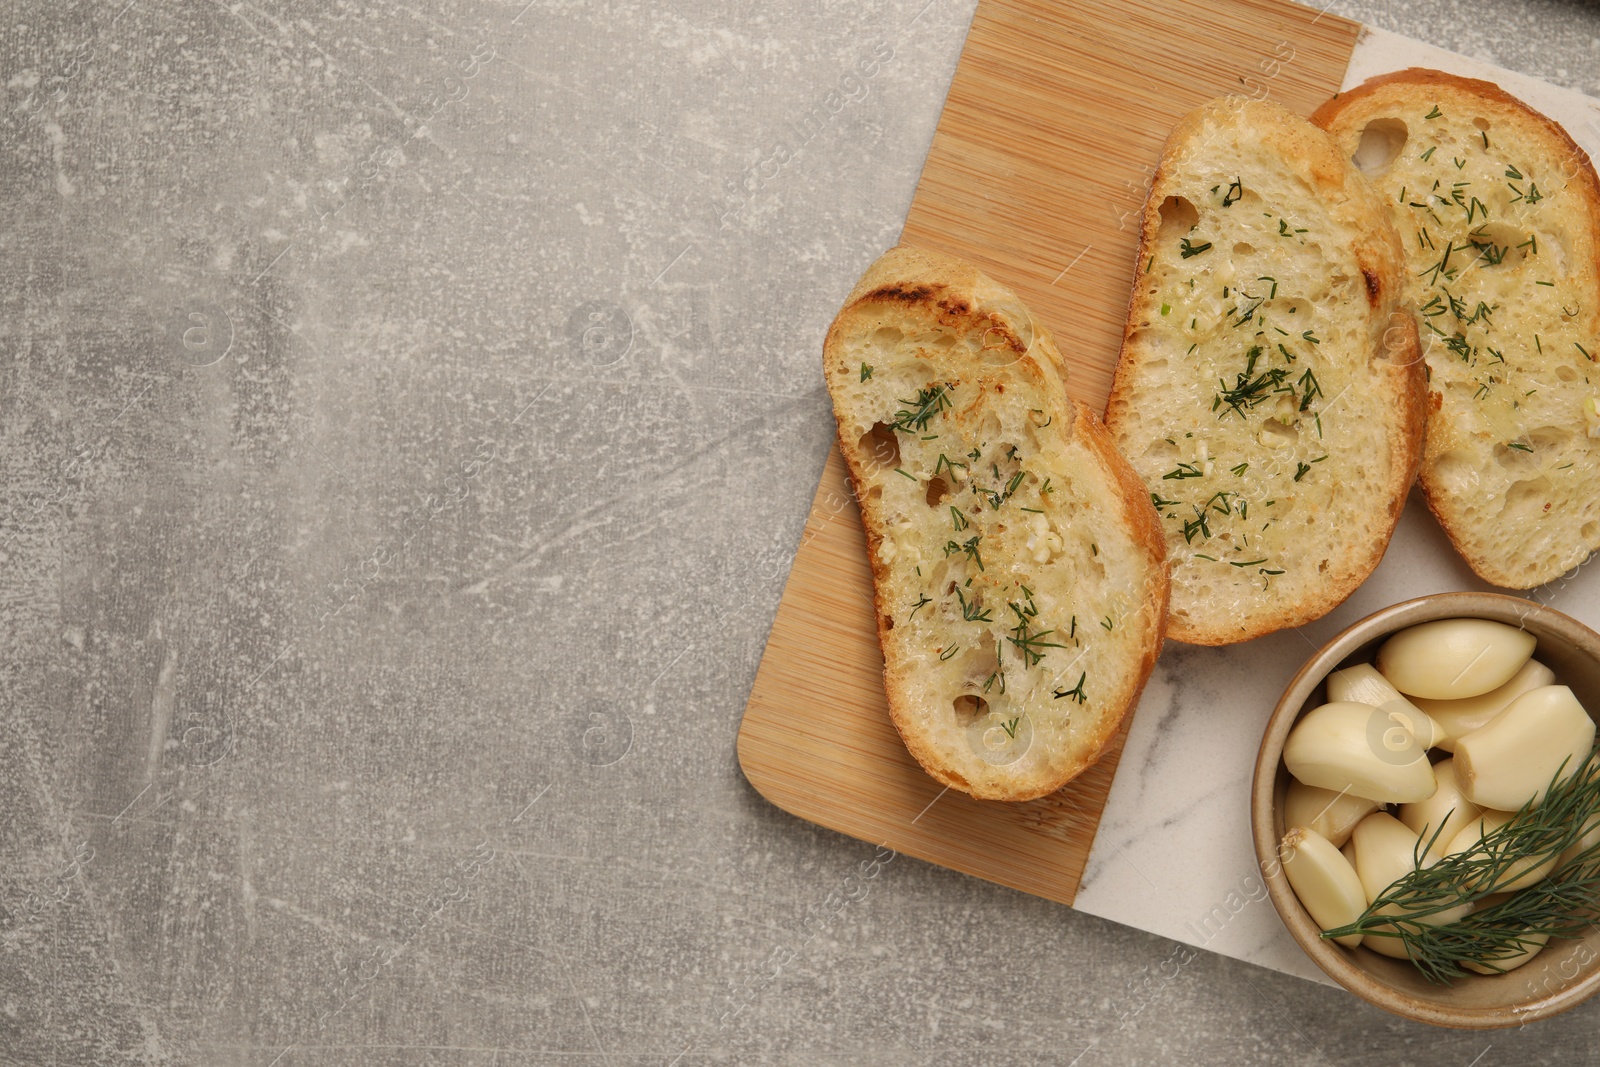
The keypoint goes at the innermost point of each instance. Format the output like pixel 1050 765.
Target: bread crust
pixel 1513 547
pixel 1393 364
pixel 1424 81
pixel 910 286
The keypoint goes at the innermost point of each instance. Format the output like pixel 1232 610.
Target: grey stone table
pixel 407 417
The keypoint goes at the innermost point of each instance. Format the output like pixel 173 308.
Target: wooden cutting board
pixel 1044 151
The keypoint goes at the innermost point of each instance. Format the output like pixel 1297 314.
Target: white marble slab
pixel 1173 854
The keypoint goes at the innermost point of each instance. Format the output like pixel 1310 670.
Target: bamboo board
pixel 1051 129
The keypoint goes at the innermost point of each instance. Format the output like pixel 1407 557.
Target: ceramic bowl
pixel 1567 972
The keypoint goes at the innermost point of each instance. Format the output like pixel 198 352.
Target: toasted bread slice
pixel 1019 578
pixel 1499 212
pixel 1269 390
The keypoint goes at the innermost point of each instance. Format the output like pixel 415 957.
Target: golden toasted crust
pixel 1299 174
pixel 1417 82
pixel 1508 468
pixel 949 326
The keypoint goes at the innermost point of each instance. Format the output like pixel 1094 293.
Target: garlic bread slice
pixel 1499 212
pixel 1269 390
pixel 1018 572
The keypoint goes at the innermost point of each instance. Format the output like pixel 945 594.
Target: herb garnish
pixel 969 546
pixel 1562 905
pixel 1310 389
pixel 1075 693
pixel 971 612
pixel 929 402
pixel 944 463
pixel 1029 641
pixel 1249 388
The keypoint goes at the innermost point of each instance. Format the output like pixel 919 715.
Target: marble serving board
pixel 1157 836
pixel 1173 853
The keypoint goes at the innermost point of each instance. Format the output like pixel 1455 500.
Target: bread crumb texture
pixel 1267 391
pixel 1499 212
pixel 1019 584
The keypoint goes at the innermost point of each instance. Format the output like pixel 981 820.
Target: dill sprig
pixel 1029 642
pixel 1075 693
pixel 1562 905
pixel 1310 389
pixel 969 546
pixel 1249 388
pixel 929 402
pixel 1196 525
pixel 1442 267
pixel 944 464
pixel 972 612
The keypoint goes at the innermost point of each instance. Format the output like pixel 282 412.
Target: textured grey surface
pixel 407 417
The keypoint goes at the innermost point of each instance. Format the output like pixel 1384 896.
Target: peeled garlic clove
pixel 1447 808
pixel 1519 875
pixel 1536 942
pixel 1385 852
pixel 1330 813
pixel 1364 685
pixel 1450 658
pixel 1356 748
pixel 1385 945
pixel 1324 882
pixel 1391 945
pixel 1534 945
pixel 1589 838
pixel 1512 759
pixel 1361 683
pixel 1457 718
